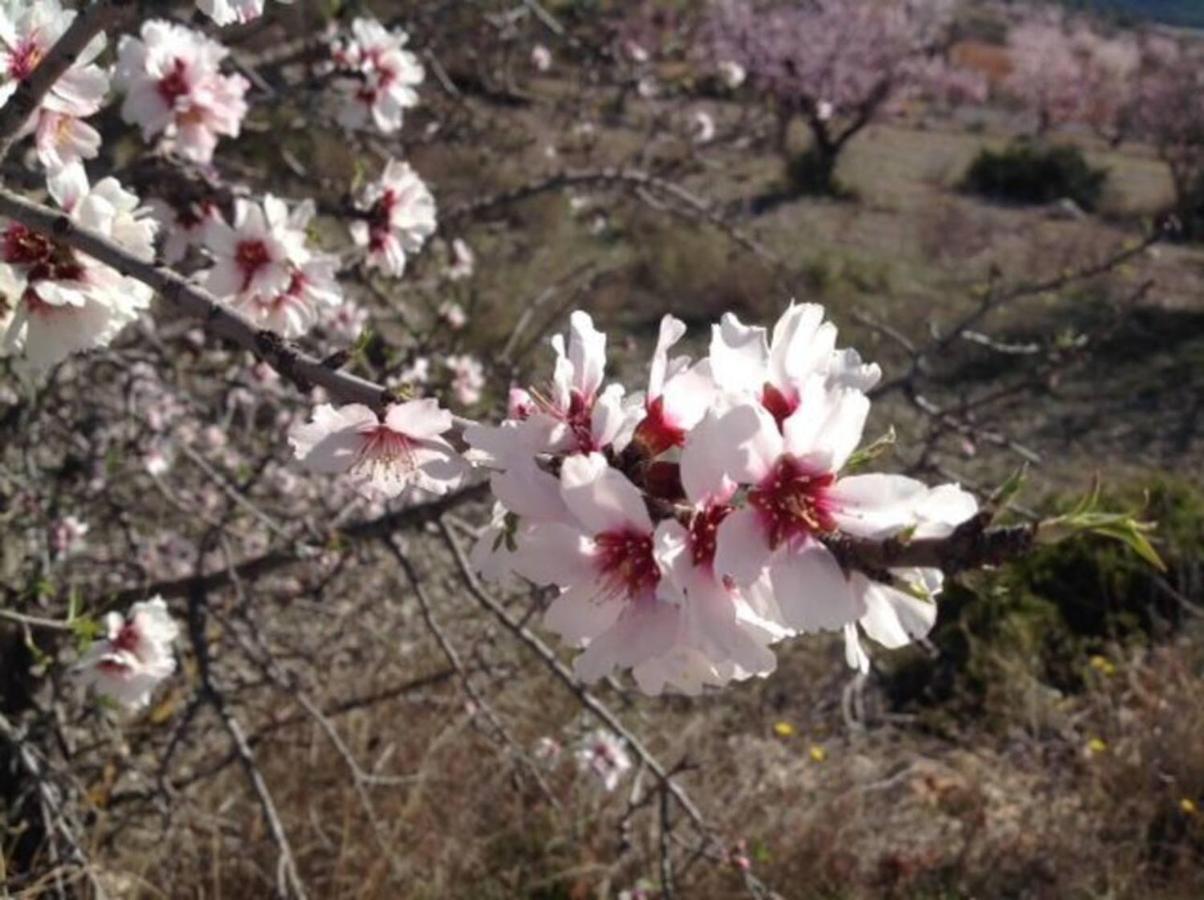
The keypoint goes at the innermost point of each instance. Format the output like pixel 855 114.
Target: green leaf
pixel 1001 498
pixel 1087 518
pixel 871 451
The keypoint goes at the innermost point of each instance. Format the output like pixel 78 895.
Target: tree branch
pixel 193 302
pixel 26 99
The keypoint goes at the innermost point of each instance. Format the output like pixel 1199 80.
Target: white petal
pixel 739 355
pixel 876 505
pixel 811 589
pixel 602 498
pixel 750 444
pixel 742 548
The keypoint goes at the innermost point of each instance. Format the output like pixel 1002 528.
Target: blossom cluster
pixel 54 300
pixel 265 268
pixel 376 76
pixel 691 527
pixel 134 654
pixel 27 32
pixel 174 87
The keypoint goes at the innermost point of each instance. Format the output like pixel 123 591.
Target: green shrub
pixel 813 174
pixel 1037 623
pixel 1028 172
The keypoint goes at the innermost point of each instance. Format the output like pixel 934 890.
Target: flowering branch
pixel 193 302
pixel 93 21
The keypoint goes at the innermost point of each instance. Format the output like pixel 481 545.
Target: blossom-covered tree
pixel 245 366
pixel 1067 72
pixel 834 64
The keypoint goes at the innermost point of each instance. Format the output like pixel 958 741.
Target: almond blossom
pixel 382 455
pixel 468 378
pixel 309 288
pixel 174 87
pixel 258 252
pixel 27 32
pixel 400 216
pixel 181 229
pixel 693 527
pixel 65 301
pixel 602 558
pixel 134 655
pixel 230 12
pixel 380 76
pixel 602 754
pixel 796 498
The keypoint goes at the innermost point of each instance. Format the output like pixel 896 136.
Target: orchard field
pixel 350 704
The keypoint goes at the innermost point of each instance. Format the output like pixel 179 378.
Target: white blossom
pixel 27 32
pixel 382 456
pixel 133 656
pixel 230 12
pixel 174 87
pixel 381 76
pixel 603 755
pixel 399 217
pixel 64 301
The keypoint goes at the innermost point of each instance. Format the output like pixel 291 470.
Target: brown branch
pixel 193 302
pixel 94 20
pixel 972 545
pixel 401 520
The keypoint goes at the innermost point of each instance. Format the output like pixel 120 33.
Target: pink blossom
pixel 468 378
pixel 27 32
pixel 230 12
pixel 541 58
pixel 133 656
pixel 174 87
pixel 65 301
pixel 400 216
pixel 382 456
pixel 259 253
pixel 382 76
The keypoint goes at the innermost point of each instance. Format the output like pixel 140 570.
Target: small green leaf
pixel 1001 498
pixel 872 450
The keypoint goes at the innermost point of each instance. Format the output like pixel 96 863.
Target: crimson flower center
pixel 127 638
pixel 174 84
pixel 25 59
pixel 794 502
pixel 778 404
pixel 251 256
pixel 704 528
pixel 41 257
pixel 656 433
pixel 625 562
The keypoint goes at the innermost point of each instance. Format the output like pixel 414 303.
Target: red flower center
pixel 251 256
pixel 126 639
pixel 703 530
pixel 25 59
pixel 793 502
pixel 174 84
pixel 779 405
pixel 41 257
pixel 655 433
pixel 626 563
